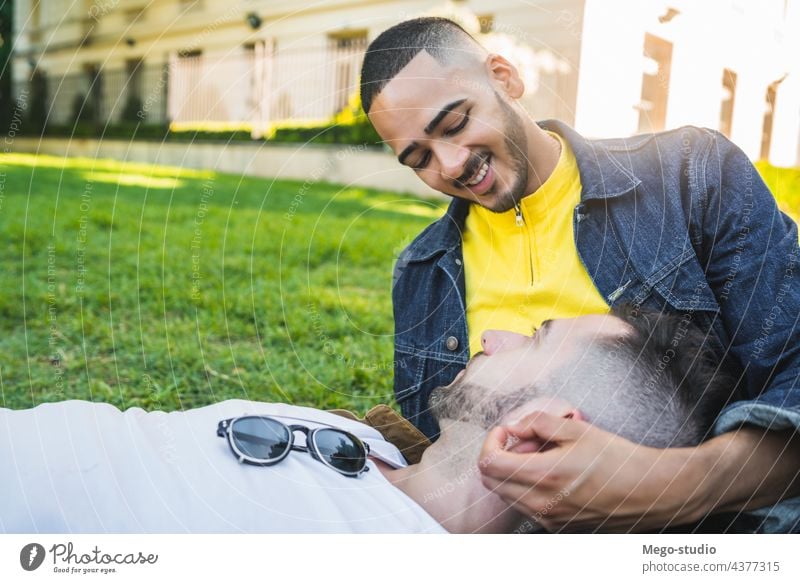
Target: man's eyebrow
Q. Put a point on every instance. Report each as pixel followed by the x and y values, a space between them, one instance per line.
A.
pixel 441 115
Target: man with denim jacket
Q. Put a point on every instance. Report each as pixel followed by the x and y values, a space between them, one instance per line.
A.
pixel 676 221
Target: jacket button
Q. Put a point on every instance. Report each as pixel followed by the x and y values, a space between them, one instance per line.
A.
pixel 458 262
pixel 451 343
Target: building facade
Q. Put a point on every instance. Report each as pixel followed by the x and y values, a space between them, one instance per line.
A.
pixel 608 67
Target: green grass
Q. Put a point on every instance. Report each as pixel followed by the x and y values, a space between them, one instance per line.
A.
pixel 785 185
pixel 158 287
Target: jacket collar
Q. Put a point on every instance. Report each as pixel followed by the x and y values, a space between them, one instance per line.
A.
pixel 441 236
pixel 602 177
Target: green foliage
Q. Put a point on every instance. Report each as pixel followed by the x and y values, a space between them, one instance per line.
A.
pixel 785 185
pixel 355 133
pixel 348 126
pixel 6 44
pixel 169 288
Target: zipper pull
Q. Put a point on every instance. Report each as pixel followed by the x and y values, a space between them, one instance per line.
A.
pixel 519 220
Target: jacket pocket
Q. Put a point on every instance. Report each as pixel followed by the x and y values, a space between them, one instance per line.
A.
pixel 683 285
pixel 408 374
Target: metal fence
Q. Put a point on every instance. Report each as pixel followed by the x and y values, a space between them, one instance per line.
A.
pixel 105 96
pixel 263 85
pixel 257 85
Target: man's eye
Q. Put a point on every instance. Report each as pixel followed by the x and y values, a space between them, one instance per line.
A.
pixel 423 162
pixel 453 131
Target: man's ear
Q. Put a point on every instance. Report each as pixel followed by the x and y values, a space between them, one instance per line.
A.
pixel 504 75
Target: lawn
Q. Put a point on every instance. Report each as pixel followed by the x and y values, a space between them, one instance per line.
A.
pixel 785 185
pixel 168 288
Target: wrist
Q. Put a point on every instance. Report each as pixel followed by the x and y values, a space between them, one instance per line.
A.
pixel 694 482
pixel 717 464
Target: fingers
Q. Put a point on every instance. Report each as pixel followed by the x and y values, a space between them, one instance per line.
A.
pixel 516 452
pixel 546 427
pixel 526 446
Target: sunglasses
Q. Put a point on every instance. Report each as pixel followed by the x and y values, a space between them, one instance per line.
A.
pixel 265 441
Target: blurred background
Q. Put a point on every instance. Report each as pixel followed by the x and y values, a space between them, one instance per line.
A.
pixel 196 207
pixel 608 68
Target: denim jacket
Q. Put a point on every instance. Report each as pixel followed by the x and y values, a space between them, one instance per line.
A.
pixel 678 220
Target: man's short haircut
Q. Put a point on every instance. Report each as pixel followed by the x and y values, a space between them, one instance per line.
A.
pixel 394 48
pixel 659 384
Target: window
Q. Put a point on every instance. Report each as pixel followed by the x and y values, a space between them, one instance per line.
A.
pixel 655 84
pixel 728 97
pixel 486 22
pixel 346 51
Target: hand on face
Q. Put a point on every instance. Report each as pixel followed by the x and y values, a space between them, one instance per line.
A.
pixel 588 478
pixel 520 442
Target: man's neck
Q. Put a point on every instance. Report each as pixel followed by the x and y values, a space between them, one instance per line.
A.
pixel 447 484
pixel 544 152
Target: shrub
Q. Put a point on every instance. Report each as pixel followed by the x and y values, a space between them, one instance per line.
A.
pixel 348 126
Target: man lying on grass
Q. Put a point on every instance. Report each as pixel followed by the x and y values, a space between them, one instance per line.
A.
pixel 88 467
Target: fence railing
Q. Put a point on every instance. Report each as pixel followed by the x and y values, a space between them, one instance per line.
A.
pixel 108 96
pixel 262 85
pixel 256 86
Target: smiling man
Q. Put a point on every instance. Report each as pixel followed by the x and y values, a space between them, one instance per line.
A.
pixel 547 224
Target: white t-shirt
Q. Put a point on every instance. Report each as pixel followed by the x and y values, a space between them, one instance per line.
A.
pixel 82 467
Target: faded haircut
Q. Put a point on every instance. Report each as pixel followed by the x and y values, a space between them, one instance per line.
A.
pixel 395 47
pixel 659 384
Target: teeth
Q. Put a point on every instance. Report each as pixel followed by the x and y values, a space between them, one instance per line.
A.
pixel 479 176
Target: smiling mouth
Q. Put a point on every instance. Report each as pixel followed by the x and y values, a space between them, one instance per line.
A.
pixel 481 178
pixel 478 176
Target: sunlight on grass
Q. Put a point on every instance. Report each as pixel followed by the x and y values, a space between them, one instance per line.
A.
pixel 102 165
pixel 785 185
pixel 414 208
pixel 407 206
pixel 202 310
pixel 130 179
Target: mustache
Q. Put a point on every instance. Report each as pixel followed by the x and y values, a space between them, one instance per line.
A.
pixel 475 161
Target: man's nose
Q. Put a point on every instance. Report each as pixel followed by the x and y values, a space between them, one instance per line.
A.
pixel 493 341
pixel 452 159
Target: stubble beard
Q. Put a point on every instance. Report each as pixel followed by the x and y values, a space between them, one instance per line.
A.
pixel 516 143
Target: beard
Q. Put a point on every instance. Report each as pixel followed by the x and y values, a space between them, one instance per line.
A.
pixel 476 405
pixel 516 143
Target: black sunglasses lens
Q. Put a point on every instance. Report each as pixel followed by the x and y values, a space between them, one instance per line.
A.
pixel 340 450
pixel 260 438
